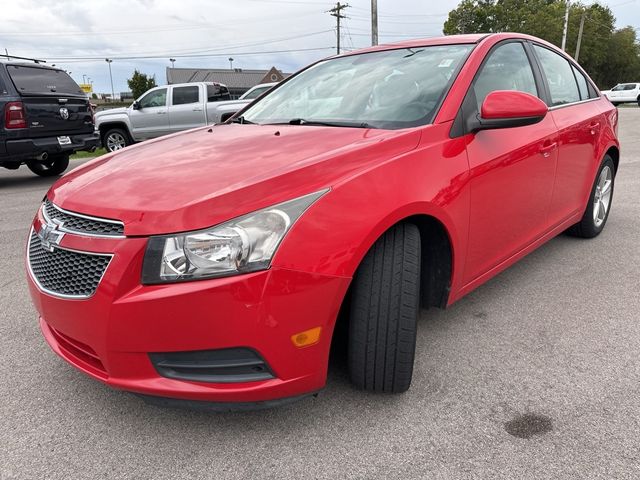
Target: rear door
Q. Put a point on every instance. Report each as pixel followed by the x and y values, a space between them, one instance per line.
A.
pixel 512 170
pixel 573 107
pixel 186 109
pixel 150 120
pixel 54 104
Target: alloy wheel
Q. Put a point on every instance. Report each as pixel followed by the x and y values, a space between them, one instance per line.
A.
pixel 602 196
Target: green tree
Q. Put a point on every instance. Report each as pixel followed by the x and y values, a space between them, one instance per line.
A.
pixel 140 83
pixel 608 55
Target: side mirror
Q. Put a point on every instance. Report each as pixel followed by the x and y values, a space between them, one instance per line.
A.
pixel 509 108
pixel 136 106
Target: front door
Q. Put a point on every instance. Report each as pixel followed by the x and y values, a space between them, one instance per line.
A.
pixel 512 170
pixel 150 120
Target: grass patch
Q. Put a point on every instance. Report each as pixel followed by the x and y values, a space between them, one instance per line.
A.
pixel 81 155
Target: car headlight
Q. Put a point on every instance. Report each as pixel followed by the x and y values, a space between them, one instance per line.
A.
pixel 244 244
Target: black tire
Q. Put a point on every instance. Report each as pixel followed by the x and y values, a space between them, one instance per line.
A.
pixel 51 167
pixel 615 104
pixel 116 137
pixel 385 304
pixel 587 227
pixel 638 100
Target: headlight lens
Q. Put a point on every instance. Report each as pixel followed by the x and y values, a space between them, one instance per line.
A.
pixel 245 244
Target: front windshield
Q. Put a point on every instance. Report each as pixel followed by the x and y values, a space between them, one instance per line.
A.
pixel 388 89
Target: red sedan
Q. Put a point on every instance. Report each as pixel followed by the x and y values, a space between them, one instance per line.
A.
pixel 211 265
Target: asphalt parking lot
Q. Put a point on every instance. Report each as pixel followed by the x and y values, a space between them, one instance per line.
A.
pixel 549 346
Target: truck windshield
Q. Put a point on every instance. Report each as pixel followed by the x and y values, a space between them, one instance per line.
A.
pixel 39 80
pixel 389 89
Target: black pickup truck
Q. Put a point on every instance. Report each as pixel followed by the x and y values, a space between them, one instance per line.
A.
pixel 45 117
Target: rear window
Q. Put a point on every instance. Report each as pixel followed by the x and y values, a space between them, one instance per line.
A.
pixel 217 93
pixel 42 80
pixel 185 95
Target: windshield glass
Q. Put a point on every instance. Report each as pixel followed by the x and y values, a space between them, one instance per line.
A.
pixel 389 89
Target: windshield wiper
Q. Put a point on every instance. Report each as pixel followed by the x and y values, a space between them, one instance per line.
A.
pixel 302 121
pixel 241 120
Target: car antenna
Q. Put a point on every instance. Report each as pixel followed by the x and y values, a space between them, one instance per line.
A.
pixel 22 58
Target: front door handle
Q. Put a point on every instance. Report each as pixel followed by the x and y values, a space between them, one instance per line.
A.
pixel 162 113
pixel 548 148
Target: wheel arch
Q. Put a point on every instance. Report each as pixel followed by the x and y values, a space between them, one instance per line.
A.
pixel 105 127
pixel 614 152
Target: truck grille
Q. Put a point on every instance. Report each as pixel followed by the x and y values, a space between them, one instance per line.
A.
pixel 82 224
pixel 65 273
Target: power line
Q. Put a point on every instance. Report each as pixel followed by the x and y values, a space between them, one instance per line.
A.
pixel 178 53
pixel 195 55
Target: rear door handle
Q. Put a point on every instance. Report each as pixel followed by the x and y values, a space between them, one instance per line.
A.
pixel 594 127
pixel 162 113
pixel 547 149
pixel 197 109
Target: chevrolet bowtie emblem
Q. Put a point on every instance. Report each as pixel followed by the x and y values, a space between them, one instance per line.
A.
pixel 50 236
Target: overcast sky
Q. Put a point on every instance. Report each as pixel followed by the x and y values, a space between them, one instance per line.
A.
pixel 205 33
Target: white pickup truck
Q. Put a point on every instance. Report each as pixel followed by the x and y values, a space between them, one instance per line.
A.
pixel 169 109
pixel 624 93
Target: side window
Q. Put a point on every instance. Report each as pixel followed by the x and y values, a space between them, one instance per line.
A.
pixel 217 93
pixel 582 83
pixel 630 86
pixel 157 98
pixel 617 88
pixel 256 93
pixel 557 70
pixel 507 68
pixel 184 95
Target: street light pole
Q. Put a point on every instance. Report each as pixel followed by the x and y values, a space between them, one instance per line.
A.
pixel 113 95
pixel 173 61
pixel 84 78
pixel 231 63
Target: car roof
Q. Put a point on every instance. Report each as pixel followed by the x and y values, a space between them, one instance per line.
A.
pixel 29 64
pixel 450 40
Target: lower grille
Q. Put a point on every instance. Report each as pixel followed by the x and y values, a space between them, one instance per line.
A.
pixel 229 365
pixel 65 273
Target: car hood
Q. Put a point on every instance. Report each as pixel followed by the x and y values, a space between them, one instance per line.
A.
pixel 200 178
pixel 111 111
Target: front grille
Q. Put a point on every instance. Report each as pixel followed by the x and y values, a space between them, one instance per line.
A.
pixel 77 223
pixel 65 272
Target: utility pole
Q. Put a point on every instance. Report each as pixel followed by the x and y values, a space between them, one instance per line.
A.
pixel 337 12
pixel 566 26
pixel 374 22
pixel 584 14
pixel 113 95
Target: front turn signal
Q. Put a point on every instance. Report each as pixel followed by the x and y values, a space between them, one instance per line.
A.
pixel 306 338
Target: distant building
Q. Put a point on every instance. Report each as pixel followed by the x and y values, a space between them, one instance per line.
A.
pixel 237 80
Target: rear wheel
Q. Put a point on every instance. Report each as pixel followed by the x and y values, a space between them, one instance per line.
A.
pixel 52 166
pixel 384 312
pixel 599 205
pixel 116 139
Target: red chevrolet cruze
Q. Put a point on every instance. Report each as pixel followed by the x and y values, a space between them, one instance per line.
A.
pixel 211 265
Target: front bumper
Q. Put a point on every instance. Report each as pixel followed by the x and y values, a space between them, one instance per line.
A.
pixel 28 148
pixel 110 335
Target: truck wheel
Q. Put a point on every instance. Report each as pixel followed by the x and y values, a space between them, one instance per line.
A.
pixel 52 166
pixel 116 139
pixel 384 312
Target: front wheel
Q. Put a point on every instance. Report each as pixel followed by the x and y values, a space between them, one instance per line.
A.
pixel 599 205
pixel 385 304
pixel 116 139
pixel 52 166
